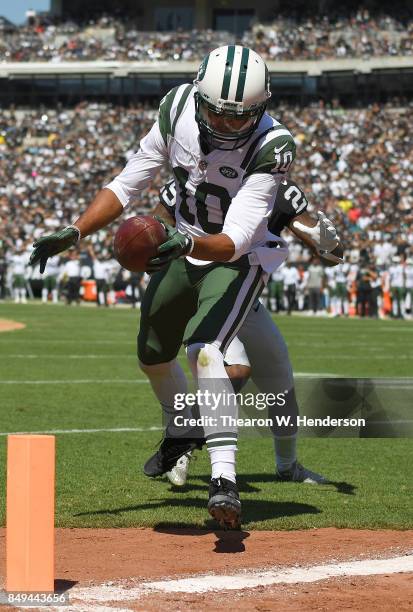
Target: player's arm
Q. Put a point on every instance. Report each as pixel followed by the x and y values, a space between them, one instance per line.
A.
pixel 247 215
pixel 248 212
pixel 110 201
pixel 320 235
pixel 201 248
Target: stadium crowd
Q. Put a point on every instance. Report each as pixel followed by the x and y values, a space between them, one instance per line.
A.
pixel 355 164
pixel 292 37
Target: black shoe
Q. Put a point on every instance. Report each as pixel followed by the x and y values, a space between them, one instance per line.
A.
pixel 224 504
pixel 168 454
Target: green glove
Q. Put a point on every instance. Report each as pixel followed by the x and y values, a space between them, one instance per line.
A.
pixel 47 246
pixel 176 245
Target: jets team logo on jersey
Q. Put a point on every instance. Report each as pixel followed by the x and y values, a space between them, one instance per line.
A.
pixel 228 172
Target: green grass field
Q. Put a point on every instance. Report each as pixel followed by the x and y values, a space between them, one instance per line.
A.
pixel 75 369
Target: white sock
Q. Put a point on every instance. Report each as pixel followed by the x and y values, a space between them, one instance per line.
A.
pixel 207 365
pixel 44 295
pixel 223 462
pixel 55 296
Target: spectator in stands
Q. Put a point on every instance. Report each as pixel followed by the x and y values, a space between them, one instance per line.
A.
pixel 52 159
pixel 290 37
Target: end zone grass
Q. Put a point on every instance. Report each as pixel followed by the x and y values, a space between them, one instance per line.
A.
pixel 99 474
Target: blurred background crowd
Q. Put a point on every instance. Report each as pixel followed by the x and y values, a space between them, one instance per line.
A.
pixel 291 36
pixel 354 164
pixel 353 161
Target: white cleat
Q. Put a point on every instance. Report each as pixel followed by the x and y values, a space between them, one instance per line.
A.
pixel 298 473
pixel 179 473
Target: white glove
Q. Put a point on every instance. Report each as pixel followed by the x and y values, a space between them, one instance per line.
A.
pixel 328 238
pixel 324 235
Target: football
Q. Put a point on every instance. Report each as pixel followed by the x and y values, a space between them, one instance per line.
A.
pixel 136 241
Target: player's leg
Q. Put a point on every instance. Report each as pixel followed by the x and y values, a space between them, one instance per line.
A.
pixel 401 302
pixel 279 292
pixel 168 303
pixel 271 371
pixel 271 305
pixel 238 369
pixel 17 283
pixel 226 293
pixel 45 290
pixel 53 288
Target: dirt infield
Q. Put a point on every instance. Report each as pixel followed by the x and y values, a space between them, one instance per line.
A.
pixel 9 325
pixel 108 568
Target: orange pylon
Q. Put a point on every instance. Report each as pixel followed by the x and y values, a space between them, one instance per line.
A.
pixel 30 513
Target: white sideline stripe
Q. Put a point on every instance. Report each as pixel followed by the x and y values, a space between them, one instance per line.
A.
pixel 255 578
pixel 91 356
pixel 399 383
pixel 397 329
pixel 85 608
pixel 403 383
pixel 132 341
pixel 83 381
pixel 83 431
pixel 130 381
pixel 143 429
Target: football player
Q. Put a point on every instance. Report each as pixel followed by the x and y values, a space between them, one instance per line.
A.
pixel 228 157
pixel 259 342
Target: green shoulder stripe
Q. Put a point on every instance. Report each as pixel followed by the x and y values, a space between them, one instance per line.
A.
pixel 181 105
pixel 275 156
pixel 164 118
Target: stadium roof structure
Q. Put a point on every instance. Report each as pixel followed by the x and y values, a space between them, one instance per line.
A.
pixel 6 25
pixel 122 69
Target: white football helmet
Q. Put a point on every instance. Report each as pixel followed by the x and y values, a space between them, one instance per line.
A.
pixel 232 92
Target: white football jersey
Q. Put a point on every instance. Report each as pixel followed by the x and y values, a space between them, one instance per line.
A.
pixel 217 191
pixel 341 272
pixel 19 263
pixel 396 274
pixel 52 268
pixel 409 276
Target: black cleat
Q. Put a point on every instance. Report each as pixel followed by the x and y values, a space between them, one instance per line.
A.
pixel 170 450
pixel 224 504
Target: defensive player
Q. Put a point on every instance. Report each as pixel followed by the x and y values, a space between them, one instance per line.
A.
pixel 228 157
pixel 259 342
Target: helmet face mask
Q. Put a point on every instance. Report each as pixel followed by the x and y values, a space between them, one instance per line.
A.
pixel 226 129
pixel 232 93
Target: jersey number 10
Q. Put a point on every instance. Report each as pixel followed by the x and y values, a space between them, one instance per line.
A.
pixel 201 200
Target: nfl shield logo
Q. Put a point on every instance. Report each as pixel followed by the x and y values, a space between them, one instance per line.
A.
pixel 203 165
